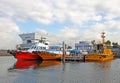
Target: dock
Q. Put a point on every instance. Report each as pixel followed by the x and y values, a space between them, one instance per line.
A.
pixel 4 53
pixel 74 57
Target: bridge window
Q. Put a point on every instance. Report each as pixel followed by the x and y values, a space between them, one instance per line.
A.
pixel 29 41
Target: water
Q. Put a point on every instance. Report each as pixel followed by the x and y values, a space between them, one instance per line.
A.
pixel 12 71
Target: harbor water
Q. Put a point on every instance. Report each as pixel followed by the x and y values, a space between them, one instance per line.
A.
pixel 13 71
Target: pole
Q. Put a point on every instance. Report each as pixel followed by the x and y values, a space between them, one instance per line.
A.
pixel 63 57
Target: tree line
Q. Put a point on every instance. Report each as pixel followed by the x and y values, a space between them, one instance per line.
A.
pixel 114 44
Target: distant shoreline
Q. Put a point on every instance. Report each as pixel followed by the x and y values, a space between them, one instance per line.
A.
pixel 4 53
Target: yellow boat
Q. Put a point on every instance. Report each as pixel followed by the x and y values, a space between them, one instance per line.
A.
pixel 106 55
pixel 102 52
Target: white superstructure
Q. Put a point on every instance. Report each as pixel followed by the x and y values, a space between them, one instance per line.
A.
pixel 38 47
pixel 29 39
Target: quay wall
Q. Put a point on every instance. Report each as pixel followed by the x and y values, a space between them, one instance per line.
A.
pixel 4 53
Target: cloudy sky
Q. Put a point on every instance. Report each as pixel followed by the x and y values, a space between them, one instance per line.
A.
pixel 62 20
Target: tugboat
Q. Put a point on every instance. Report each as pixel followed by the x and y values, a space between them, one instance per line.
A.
pixel 101 52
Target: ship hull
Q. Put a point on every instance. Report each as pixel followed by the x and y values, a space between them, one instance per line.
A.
pixel 99 58
pixel 26 56
pixel 49 56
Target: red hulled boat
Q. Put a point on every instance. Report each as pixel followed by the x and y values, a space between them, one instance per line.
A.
pixel 30 54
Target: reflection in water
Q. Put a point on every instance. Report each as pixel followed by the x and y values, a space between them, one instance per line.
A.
pixel 26 72
pixel 103 65
pixel 102 72
pixel 49 63
pixel 34 64
pixel 68 72
pixel 25 64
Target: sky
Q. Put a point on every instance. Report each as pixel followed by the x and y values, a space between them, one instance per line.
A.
pixel 59 20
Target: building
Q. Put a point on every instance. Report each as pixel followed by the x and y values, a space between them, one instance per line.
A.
pixel 28 39
pixel 83 45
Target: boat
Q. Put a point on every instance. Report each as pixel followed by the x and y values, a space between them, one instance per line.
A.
pixel 32 42
pixel 101 52
pixel 49 56
pixel 106 55
pixel 30 54
pixel 54 52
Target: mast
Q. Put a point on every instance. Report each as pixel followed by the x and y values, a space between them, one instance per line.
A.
pixel 103 38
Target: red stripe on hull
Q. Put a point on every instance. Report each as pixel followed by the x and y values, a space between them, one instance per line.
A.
pixel 26 56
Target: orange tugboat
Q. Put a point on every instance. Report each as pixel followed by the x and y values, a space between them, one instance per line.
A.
pixel 102 52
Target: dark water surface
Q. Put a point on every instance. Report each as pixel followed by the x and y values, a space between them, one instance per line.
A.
pixel 12 71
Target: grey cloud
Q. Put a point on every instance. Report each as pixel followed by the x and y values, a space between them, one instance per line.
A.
pixel 44 11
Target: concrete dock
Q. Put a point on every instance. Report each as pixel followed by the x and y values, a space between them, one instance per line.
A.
pixel 4 53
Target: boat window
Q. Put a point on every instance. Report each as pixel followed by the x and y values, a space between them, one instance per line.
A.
pixel 32 47
pixel 46 43
pixel 37 48
pixel 44 48
pixel 29 41
pixel 40 48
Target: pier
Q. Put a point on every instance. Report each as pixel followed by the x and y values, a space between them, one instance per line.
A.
pixel 74 57
pixel 4 53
